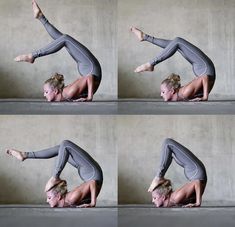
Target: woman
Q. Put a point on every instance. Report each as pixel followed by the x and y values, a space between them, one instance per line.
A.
pixel 88 66
pixel 190 194
pixel 89 170
pixel 199 88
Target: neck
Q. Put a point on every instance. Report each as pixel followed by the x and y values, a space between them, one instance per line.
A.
pixel 177 96
pixel 59 97
pixel 63 202
pixel 168 202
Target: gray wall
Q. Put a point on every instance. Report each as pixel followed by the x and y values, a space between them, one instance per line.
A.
pixel 91 22
pixel 209 24
pixel 24 182
pixel 210 138
pixel 136 140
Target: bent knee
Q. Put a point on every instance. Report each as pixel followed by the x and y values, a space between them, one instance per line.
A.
pixel 65 36
pixel 178 39
pixel 66 142
pixel 168 141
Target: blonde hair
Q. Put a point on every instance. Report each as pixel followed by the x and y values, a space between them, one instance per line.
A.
pixel 164 189
pixel 60 188
pixel 56 81
pixel 172 81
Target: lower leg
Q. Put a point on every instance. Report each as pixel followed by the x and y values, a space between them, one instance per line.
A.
pixel 63 156
pixel 166 160
pixel 43 154
pixel 141 36
pixel 167 52
pixel 156 41
pixel 52 48
pixel 52 31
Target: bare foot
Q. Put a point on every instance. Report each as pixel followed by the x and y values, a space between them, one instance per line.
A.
pixel 25 57
pixel 156 181
pixel 37 12
pixel 51 183
pixel 139 34
pixel 17 154
pixel 144 67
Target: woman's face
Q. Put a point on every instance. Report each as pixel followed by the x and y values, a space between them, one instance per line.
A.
pixel 49 92
pixel 166 93
pixel 157 199
pixel 52 199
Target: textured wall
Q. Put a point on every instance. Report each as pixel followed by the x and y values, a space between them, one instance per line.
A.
pixel 209 24
pixel 24 182
pixel 91 22
pixel 210 138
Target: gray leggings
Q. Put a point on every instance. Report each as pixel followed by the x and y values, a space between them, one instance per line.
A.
pixel 201 64
pixel 193 167
pixel 87 167
pixel 87 64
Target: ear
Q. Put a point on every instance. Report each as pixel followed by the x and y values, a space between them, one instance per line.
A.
pixel 56 91
pixel 59 196
pixel 163 197
pixel 172 91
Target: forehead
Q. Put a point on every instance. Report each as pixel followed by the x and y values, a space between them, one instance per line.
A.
pixel 50 194
pixel 47 87
pixel 155 194
pixel 164 87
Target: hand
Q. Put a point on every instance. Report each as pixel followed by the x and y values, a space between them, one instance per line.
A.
pixel 83 100
pixel 198 99
pixel 190 205
pixel 86 205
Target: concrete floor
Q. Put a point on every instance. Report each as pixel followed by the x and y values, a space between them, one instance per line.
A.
pixel 121 216
pixel 39 216
pixel 121 106
pixel 176 217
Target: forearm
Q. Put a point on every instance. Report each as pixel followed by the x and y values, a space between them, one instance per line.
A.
pixel 90 88
pixel 93 190
pixel 205 85
pixel 198 191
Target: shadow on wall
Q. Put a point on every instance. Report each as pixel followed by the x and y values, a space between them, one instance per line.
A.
pixel 130 192
pixel 11 192
pixel 12 87
pixel 138 85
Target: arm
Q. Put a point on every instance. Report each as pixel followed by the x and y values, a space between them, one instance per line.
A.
pixel 90 88
pixel 93 192
pixel 198 191
pixel 200 83
pixel 185 192
pixel 89 83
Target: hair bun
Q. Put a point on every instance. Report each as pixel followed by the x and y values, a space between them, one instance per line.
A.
pixel 58 77
pixel 172 81
pixel 174 77
pixel 56 81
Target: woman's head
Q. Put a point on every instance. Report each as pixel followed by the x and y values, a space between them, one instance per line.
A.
pixel 53 86
pixel 161 193
pixel 169 86
pixel 56 193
